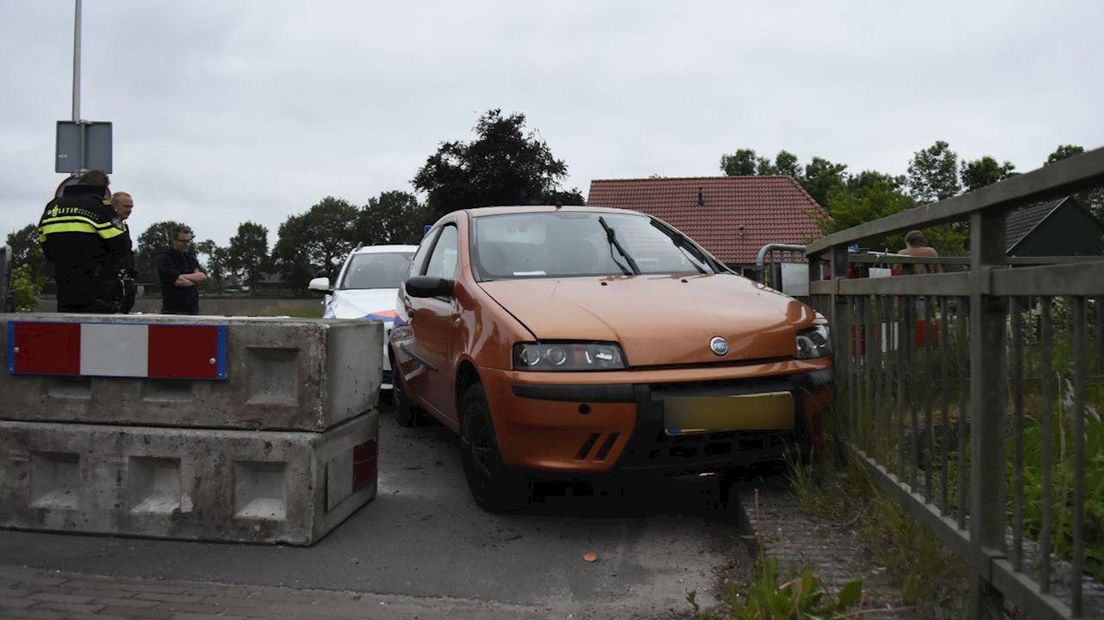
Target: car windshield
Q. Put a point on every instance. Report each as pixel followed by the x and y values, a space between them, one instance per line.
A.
pixel 376 270
pixel 574 243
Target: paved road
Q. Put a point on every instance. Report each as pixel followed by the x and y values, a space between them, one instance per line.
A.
pixel 423 538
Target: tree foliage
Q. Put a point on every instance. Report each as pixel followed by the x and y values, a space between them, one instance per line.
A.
pixel 151 242
pixel 865 202
pixel 217 259
pixel 503 165
pixel 26 251
pixel 247 255
pixel 1093 199
pixel 786 164
pixel 742 163
pixel 821 177
pixel 316 241
pixel 985 171
pixel 25 290
pixel 394 217
pixel 933 173
pixel 1063 151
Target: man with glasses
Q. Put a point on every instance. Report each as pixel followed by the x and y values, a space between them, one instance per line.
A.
pixel 179 273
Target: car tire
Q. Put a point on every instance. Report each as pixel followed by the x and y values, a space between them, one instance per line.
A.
pixel 407 414
pixel 496 487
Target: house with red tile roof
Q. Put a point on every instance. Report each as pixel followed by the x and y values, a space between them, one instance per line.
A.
pixel 731 217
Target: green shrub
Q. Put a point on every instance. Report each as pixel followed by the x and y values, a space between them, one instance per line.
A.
pixel 25 289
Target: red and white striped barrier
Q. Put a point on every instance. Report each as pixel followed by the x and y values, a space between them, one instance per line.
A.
pixel 117 350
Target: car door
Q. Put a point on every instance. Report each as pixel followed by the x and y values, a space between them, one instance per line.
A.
pixel 431 324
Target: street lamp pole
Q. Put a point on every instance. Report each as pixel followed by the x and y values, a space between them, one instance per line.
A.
pixel 76 83
pixel 76 63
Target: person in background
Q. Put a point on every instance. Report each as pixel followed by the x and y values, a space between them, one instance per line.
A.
pixel 79 237
pixel 179 273
pixel 916 245
pixel 125 271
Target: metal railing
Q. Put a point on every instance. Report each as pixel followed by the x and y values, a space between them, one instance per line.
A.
pixel 781 267
pixel 970 394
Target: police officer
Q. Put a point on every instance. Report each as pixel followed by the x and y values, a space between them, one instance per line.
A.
pixel 79 237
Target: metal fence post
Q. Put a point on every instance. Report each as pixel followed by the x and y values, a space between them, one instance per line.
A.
pixel 841 330
pixel 5 276
pixel 988 398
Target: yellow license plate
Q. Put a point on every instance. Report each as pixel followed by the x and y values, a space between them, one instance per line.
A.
pixel 772 411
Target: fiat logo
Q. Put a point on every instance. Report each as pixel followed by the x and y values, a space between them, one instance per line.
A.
pixel 718 345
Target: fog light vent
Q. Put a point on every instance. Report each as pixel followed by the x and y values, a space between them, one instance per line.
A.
pixel 604 451
pixel 585 449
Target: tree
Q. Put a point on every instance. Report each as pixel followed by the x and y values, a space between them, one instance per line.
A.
pixel 821 177
pixel 1093 199
pixel 786 164
pixel 933 173
pixel 873 178
pixel 861 203
pixel 742 163
pixel 394 217
pixel 504 165
pixel 247 254
pixel 26 251
pixel 315 241
pixel 985 171
pixel 215 265
pixel 151 242
pixel 1063 151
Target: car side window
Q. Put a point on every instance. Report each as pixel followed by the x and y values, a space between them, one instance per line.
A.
pixel 418 261
pixel 442 262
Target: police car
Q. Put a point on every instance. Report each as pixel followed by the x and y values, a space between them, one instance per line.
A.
pixel 366 288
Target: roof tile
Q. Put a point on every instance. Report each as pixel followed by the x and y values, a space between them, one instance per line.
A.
pixel 739 215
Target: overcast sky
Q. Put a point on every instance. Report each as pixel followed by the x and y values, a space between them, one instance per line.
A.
pixel 227 111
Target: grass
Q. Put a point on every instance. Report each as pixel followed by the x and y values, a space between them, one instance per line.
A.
pixel 917 563
pixel 767 597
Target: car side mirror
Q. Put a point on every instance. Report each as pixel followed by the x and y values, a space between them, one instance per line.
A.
pixel 428 286
pixel 320 284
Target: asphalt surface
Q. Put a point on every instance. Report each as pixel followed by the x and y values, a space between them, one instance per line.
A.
pixel 423 536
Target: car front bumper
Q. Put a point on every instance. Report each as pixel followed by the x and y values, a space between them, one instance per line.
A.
pixel 592 423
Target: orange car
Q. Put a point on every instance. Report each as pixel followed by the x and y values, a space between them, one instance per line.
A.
pixel 577 340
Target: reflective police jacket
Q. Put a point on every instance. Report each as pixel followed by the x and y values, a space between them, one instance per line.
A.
pixel 79 235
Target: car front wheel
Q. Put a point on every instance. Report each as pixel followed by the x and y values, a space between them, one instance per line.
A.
pixel 495 486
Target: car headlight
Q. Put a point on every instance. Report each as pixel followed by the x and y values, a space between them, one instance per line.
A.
pixel 813 342
pixel 568 356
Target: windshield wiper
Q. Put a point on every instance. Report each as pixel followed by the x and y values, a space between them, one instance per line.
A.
pixel 686 252
pixel 683 244
pixel 611 237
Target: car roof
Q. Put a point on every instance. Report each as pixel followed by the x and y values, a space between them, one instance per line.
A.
pixel 380 249
pixel 486 211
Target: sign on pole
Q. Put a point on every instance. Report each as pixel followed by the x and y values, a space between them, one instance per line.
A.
pixel 83 145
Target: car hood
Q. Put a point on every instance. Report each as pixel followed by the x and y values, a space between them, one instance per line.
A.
pixel 659 320
pixel 373 303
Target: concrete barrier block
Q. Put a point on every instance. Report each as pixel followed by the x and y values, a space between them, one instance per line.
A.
pixel 282 374
pixel 197 484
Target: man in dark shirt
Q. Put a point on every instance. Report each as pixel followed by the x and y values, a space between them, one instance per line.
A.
pixel 179 273
pixel 80 238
